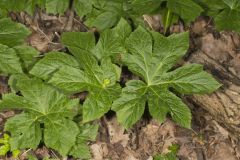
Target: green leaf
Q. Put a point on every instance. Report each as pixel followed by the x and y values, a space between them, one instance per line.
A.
pixel 105 14
pixel 190 79
pixel 145 7
pixel 5 146
pixel 99 102
pixel 157 104
pixel 141 49
pixel 131 105
pixel 60 134
pixel 12 101
pixel 81 149
pixel 111 42
pixel 83 7
pixel 56 6
pixel 24 5
pixel 167 101
pixel 212 7
pixel 9 61
pixel 4 139
pixel 168 51
pixel 225 13
pixel 13 5
pixel 12 81
pixel 15 153
pixel 52 61
pixel 88 132
pixel 25 131
pixel 151 58
pixel 11 33
pixel 172 155
pixel 42 104
pixel 4 149
pixel 70 82
pixel 93 79
pixel 188 10
pixel 233 4
pixel 228 20
pixel 105 20
pixel 27 54
pixel 31 5
pixel 97 78
pixel 79 43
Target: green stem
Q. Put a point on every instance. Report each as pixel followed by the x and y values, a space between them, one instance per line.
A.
pixel 168 21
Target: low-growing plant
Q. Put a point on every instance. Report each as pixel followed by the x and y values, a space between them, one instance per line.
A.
pixel 106 14
pixel 5 146
pixel 151 58
pixel 96 65
pixel 90 69
pixel 171 155
pixel 47 117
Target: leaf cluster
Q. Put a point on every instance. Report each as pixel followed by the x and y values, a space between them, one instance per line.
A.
pixel 47 117
pixel 90 69
pixel 104 14
pixel 48 114
pixel 94 65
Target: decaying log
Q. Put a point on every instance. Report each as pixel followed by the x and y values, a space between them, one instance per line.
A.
pixel 220 56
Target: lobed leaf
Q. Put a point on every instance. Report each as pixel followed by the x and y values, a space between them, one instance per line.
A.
pixel 152 58
pixel 112 41
pixel 60 134
pixel 52 61
pixel 42 104
pixel 25 131
pixel 131 105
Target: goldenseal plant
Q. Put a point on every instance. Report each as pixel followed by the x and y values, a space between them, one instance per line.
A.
pixel 152 59
pixel 47 117
pixel 149 55
pixel 94 65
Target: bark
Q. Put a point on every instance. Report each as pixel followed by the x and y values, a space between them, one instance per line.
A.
pixel 220 55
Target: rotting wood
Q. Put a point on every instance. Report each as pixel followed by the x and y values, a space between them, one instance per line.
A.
pixel 221 57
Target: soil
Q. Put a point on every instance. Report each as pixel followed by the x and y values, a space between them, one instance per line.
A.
pixel 207 140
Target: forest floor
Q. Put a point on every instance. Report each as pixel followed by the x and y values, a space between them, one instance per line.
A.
pixel 207 140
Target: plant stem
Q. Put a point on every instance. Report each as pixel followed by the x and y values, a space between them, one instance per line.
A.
pixel 168 21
